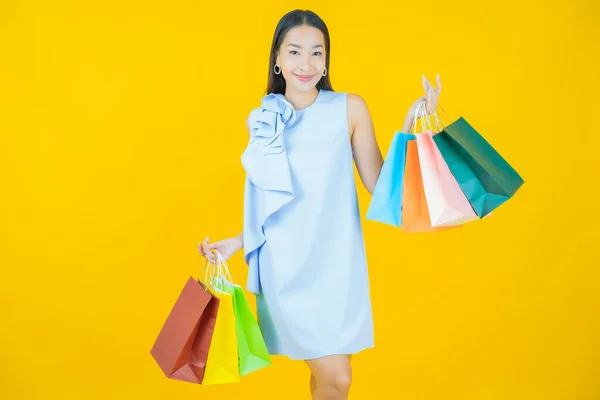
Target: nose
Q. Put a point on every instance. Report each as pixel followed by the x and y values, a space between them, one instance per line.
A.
pixel 305 63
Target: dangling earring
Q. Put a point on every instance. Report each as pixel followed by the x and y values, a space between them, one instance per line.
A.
pixel 276 72
pixel 325 73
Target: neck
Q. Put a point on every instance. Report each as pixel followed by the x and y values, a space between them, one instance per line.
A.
pixel 301 100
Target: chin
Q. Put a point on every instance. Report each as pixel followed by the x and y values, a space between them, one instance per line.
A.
pixel 308 87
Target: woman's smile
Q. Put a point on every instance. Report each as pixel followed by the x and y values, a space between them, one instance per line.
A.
pixel 304 78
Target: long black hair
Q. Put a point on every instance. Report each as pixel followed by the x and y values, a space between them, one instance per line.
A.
pixel 290 20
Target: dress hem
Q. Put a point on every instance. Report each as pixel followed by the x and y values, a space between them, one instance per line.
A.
pixel 319 354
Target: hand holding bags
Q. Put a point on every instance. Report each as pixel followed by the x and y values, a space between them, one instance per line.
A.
pixel 433 181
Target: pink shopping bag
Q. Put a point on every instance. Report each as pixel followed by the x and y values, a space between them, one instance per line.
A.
pixel 448 205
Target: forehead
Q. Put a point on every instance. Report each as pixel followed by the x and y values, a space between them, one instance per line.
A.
pixel 305 36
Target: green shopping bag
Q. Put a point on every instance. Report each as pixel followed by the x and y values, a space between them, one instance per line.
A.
pixel 485 177
pixel 252 350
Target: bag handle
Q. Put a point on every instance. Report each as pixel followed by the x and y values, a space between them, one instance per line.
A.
pixel 223 267
pixel 438 120
pixel 420 106
pixel 209 273
pixel 219 272
pixel 426 118
pixel 415 117
pixel 214 273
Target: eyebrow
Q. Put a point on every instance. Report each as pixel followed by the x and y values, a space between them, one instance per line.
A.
pixel 298 46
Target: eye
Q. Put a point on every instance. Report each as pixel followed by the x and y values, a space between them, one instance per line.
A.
pixel 317 52
pixel 293 51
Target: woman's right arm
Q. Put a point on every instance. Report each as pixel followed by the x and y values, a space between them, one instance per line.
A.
pixel 240 237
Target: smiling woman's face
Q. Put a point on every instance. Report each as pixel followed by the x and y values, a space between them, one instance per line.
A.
pixel 302 57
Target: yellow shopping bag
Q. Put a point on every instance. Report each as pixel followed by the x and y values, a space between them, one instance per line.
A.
pixel 222 364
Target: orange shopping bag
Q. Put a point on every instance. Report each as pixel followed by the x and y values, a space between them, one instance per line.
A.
pixel 415 213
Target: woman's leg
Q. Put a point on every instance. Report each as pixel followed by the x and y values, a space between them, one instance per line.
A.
pixel 313 382
pixel 330 377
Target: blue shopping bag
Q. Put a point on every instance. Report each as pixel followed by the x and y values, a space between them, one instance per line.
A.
pixel 386 203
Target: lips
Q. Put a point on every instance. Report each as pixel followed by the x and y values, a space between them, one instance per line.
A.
pixel 304 78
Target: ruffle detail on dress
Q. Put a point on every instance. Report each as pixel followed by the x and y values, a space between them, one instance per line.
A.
pixel 268 185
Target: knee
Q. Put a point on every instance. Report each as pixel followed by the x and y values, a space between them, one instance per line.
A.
pixel 338 382
pixel 341 382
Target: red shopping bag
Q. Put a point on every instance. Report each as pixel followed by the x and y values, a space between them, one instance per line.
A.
pixel 181 348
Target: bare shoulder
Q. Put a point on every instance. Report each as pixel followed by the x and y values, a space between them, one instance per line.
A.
pixel 356 104
pixel 358 112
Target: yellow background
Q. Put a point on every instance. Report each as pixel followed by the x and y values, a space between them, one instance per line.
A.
pixel 121 131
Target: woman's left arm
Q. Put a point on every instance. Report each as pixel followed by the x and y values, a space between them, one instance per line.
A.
pixel 365 149
pixel 367 155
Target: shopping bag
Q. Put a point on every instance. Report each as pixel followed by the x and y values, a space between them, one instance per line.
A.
pixel 386 202
pixel 252 349
pixel 222 365
pixel 415 214
pixel 181 348
pixel 483 174
pixel 446 202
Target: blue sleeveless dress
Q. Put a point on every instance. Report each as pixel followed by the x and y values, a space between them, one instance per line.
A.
pixel 302 233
